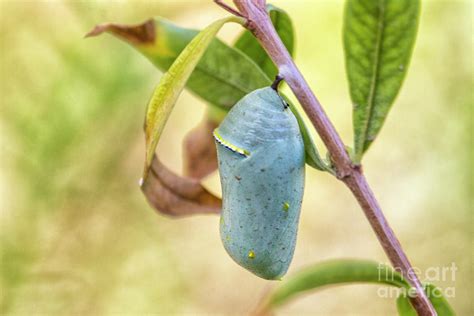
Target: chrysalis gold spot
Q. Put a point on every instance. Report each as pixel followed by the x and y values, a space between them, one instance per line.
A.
pixel 251 254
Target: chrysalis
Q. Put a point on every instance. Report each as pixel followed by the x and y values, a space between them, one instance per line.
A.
pixel 261 165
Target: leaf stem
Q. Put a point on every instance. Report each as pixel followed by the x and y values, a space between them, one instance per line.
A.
pixel 259 23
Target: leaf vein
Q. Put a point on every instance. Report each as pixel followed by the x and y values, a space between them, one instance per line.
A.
pixel 376 69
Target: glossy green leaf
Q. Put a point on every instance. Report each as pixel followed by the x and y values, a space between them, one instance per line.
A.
pixel 171 85
pixel 378 39
pixel 330 273
pixel 252 48
pixel 222 77
pixel 436 297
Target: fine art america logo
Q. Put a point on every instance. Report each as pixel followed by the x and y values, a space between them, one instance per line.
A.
pixel 433 275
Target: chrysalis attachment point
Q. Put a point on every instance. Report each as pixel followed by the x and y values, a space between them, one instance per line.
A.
pixel 276 83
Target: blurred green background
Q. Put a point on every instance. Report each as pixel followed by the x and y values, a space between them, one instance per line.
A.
pixel 77 236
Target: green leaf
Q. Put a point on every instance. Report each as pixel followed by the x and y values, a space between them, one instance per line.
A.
pixel 171 85
pixel 378 40
pixel 436 297
pixel 349 271
pixel 313 157
pixel 248 44
pixel 222 77
pixel 330 273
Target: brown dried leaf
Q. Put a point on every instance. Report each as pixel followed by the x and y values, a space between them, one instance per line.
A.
pixel 135 34
pixel 173 195
pixel 199 150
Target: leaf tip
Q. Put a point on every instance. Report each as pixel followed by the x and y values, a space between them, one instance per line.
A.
pixel 143 33
pixel 97 30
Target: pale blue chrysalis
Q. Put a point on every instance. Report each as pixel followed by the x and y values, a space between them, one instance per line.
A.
pixel 261 164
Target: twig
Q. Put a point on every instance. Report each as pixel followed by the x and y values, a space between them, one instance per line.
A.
pixel 259 23
pixel 228 8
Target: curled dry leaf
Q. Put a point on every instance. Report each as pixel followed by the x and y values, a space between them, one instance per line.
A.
pixel 135 34
pixel 173 195
pixel 199 150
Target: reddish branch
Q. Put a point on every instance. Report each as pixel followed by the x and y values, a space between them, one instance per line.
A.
pixel 259 23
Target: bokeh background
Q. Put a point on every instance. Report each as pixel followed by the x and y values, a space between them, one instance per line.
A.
pixel 77 236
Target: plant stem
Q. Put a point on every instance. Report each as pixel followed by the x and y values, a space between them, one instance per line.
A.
pixel 259 23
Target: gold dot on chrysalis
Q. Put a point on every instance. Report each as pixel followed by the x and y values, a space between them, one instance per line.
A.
pixel 251 254
pixel 286 206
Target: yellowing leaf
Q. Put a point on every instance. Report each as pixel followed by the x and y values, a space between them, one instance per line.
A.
pixel 171 85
